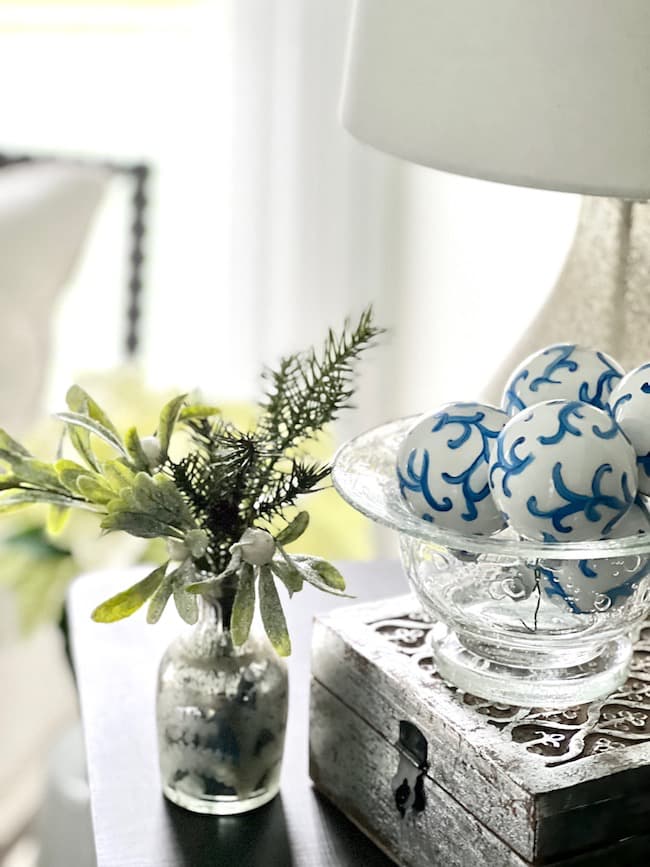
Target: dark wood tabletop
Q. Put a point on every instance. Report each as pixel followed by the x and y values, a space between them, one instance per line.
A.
pixel 134 825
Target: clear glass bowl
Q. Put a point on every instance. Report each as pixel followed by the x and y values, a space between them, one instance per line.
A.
pixel 517 621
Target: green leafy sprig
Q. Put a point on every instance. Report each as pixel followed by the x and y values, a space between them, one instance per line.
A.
pixel 215 506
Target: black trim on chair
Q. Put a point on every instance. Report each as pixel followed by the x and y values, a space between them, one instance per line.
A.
pixel 140 175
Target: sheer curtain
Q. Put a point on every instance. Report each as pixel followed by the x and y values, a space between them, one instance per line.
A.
pixel 321 225
pixel 316 218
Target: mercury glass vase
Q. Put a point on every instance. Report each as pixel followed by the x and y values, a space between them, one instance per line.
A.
pixel 523 623
pixel 221 714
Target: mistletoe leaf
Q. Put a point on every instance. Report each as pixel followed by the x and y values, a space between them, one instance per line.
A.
pixel 207 585
pixel 160 598
pixel 93 489
pixel 151 507
pixel 159 496
pixel 80 401
pixel 68 473
pixel 7 444
pixel 31 471
pixel 29 496
pixel 57 517
pixel 244 605
pixel 128 601
pixel 168 416
pixel 329 573
pixel 80 440
pixel 272 613
pixel 138 524
pixel 118 475
pixel 74 420
pixel 136 452
pixel 288 574
pixel 187 604
pixel 294 530
pixel 198 410
pixel 321 574
pixel 8 481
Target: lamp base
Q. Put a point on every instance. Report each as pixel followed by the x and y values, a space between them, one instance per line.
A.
pixel 601 298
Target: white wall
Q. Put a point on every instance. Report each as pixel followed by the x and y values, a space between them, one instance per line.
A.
pixel 321 223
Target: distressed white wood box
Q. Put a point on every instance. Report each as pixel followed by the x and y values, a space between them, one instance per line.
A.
pixel 499 786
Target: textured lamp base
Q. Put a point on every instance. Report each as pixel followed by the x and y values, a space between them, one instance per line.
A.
pixel 601 298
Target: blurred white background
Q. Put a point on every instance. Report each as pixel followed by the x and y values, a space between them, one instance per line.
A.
pixel 267 221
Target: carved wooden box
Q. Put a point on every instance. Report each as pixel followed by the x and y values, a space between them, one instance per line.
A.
pixel 439 777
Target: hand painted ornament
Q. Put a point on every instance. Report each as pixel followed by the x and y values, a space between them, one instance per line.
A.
pixel 563 371
pixel 629 403
pixel 442 467
pixel 585 586
pixel 563 471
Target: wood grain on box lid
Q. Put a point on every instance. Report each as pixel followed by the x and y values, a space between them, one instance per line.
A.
pixel 519 770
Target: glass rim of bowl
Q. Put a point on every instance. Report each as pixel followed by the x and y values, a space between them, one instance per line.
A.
pixel 363 473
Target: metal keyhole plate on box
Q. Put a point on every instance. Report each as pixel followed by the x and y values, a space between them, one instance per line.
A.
pixel 408 782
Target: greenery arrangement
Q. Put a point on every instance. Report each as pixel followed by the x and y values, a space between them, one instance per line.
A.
pixel 218 504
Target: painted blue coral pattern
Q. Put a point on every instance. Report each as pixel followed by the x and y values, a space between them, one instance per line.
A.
pixel 562 363
pixel 553 585
pixel 591 505
pixel 469 485
pixel 601 499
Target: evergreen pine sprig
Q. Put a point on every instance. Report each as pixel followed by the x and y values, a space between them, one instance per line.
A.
pixel 308 391
pixel 216 505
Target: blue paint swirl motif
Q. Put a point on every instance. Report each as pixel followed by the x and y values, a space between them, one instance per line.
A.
pixel 553 587
pixel 589 505
pixel 587 571
pixel 623 590
pixel 418 482
pixel 563 361
pixel 610 434
pixel 619 403
pixel 573 408
pixel 604 386
pixel 510 464
pixel 628 587
pixel 512 403
pixel 464 479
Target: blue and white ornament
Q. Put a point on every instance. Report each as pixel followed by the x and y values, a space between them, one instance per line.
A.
pixel 629 403
pixel 563 471
pixel 442 467
pixel 585 586
pixel 563 371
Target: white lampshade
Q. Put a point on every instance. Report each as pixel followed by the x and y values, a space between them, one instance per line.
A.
pixel 543 93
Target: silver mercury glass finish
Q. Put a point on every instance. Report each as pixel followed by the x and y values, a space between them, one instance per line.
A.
pixel 221 714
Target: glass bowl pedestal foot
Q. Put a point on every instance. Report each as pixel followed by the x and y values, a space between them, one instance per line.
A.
pixel 477 667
